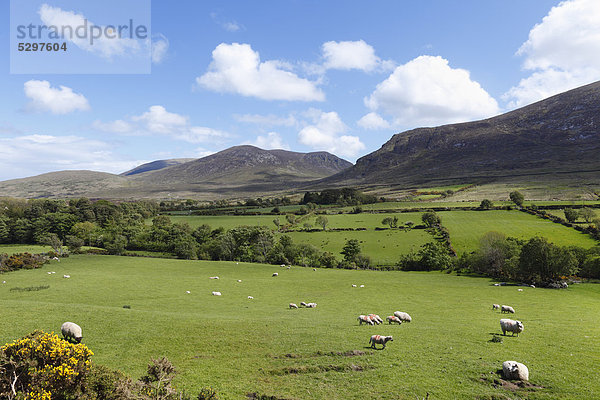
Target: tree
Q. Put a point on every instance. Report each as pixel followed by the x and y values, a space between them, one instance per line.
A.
pixel 587 214
pixel 4 230
pixel 391 221
pixel 307 226
pixel 430 219
pixel 408 225
pixel 571 215
pixel 276 222
pixel 322 221
pixel 74 243
pixel 291 219
pixel 351 250
pixel 517 198
pixel 53 241
pixel 486 204
pixel 541 261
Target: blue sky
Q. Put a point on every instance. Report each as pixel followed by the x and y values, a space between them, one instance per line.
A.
pixel 340 76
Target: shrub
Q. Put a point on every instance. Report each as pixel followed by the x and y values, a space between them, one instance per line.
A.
pixel 21 261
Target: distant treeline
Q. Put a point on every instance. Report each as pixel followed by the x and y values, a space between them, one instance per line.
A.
pixel 342 197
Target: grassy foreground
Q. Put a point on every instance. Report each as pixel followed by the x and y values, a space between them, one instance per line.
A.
pixel 239 345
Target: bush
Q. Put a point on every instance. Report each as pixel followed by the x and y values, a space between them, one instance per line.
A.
pixel 21 261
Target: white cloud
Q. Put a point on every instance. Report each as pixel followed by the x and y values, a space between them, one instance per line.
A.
pixel 68 21
pixel 271 140
pixel 236 68
pixel 157 120
pixel 373 121
pixel 323 133
pixel 563 52
pixel 57 101
pixel 35 154
pixel 266 120
pixel 231 26
pixel 352 55
pixel 427 91
pixel 160 47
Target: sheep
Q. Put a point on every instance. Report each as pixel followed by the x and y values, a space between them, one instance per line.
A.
pixel 378 339
pixel 366 319
pixel 3 282
pixel 495 306
pixel 507 309
pixel 362 285
pixel 303 304
pixel 496 284
pixel 216 293
pixel 404 317
pixel 376 318
pixel 293 305
pixel 532 286
pixel 214 277
pixel 66 276
pixel 510 325
pixel 282 265
pixel 353 285
pixel 393 318
pixel 250 297
pixel 288 267
pixel 49 273
pixel 314 269
pixel 188 292
pixel 311 305
pixel 513 370
pixel 275 274
pixel 71 331
pixel 239 281
pixel 519 290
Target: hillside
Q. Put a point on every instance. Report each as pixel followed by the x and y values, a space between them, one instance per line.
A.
pixel 556 139
pixel 156 165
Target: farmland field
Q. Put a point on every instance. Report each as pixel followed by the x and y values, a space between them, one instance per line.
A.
pixel 239 346
pixel 467 227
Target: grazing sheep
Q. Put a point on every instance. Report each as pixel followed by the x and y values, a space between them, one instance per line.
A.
pixel 282 265
pixel 293 305
pixel 275 274
pixel 507 309
pixel 353 285
pixel 303 304
pixel 495 306
pixel 216 293
pixel 366 319
pixel 532 286
pixel 404 317
pixel 378 339
pixel 311 305
pixel 314 269
pixel 288 267
pixel 250 297
pixel 496 284
pixel 49 273
pixel 513 370
pixel 188 292
pixel 71 331
pixel 3 281
pixel 66 276
pixel 510 325
pixel 214 277
pixel 362 285
pixel 376 318
pixel 519 290
pixel 393 318
pixel 239 280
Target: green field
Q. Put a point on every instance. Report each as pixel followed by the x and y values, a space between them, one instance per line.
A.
pixel 21 248
pixel 467 227
pixel 239 346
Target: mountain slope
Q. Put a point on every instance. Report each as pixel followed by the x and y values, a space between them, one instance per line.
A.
pixel 156 165
pixel 558 137
pixel 247 166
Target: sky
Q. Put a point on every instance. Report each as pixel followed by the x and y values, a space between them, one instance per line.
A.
pixel 300 75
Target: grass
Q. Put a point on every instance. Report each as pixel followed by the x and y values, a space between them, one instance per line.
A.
pixel 467 227
pixel 239 346
pixel 23 248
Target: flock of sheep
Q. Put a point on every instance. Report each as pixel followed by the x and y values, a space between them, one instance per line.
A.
pixel 508 325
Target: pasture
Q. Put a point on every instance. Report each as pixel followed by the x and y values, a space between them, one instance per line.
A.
pixel 240 346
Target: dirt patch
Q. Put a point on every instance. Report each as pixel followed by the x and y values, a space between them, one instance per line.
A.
pixel 495 380
pixel 309 369
pixel 256 396
pixel 348 353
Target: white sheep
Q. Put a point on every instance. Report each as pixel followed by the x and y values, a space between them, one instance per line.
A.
pixel 314 269
pixel 311 305
pixel 404 317
pixel 393 318
pixel 188 292
pixel 378 339
pixel 362 285
pixel 71 331
pixel 239 281
pixel 376 318
pixel 519 290
pixel 507 309
pixel 366 319
pixel 513 370
pixel 250 297
pixel 293 305
pixel 353 285
pixel 3 282
pixel 288 267
pixel 66 276
pixel 275 274
pixel 216 293
pixel 495 306
pixel 510 325
pixel 532 286
pixel 214 277
pixel 282 265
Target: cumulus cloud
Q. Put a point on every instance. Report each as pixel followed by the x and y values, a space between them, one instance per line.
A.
pixel 373 121
pixel 562 52
pixel 324 133
pixel 35 154
pixel 348 55
pixel 271 140
pixel 157 120
pixel 60 100
pixel 427 91
pixel 236 68
pixel 266 120
pixel 105 46
pixel 160 47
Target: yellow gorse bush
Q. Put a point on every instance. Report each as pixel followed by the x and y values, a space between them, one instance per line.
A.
pixel 46 364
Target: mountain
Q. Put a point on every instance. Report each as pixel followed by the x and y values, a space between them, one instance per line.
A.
pixel 554 139
pixel 238 172
pixel 155 165
pixel 248 167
